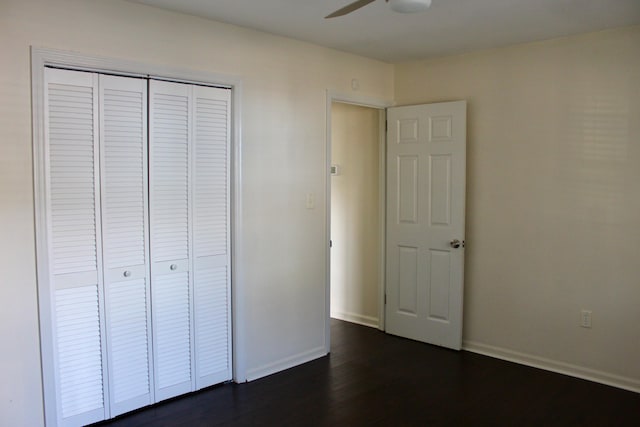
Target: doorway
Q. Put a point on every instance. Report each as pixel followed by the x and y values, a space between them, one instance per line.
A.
pixel 357 213
pixel 438 129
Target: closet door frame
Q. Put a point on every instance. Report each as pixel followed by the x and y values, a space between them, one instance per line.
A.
pixel 44 57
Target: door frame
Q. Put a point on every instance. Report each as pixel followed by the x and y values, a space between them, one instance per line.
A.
pixel 45 57
pixel 381 106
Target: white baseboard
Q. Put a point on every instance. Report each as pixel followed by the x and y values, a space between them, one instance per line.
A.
pixel 285 363
pixel 356 318
pixel 618 381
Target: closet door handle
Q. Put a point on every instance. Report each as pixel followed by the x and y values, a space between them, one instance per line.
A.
pixel 173 267
pixel 126 273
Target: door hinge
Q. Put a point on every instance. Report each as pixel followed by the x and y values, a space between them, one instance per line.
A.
pixel 386 126
pixel 330 243
pixel 385 299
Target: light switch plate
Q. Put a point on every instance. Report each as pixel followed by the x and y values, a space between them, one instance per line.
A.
pixel 311 201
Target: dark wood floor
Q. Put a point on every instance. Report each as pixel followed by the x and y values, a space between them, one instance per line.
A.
pixel 374 379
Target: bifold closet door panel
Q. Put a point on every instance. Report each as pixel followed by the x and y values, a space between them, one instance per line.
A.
pixel 211 235
pixel 170 118
pixel 190 235
pixel 123 159
pixel 73 337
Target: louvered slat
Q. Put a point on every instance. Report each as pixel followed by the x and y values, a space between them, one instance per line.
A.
pixel 211 317
pixel 79 350
pixel 71 178
pixel 170 218
pixel 127 329
pixel 124 181
pixel 172 329
pixel 211 187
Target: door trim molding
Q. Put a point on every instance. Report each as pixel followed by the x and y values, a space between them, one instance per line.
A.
pixel 45 57
pixel 381 105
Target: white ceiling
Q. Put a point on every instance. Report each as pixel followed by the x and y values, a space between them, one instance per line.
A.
pixel 448 27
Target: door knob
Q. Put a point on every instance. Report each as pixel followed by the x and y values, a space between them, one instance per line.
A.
pixel 455 243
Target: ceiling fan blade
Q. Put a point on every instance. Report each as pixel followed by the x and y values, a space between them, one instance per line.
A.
pixel 350 8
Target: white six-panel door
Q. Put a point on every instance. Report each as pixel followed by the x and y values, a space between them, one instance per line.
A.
pixel 426 152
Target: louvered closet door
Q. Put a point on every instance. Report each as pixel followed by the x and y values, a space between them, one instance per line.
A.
pixel 137 260
pixel 123 142
pixel 211 236
pixel 170 223
pixel 190 238
pixel 74 254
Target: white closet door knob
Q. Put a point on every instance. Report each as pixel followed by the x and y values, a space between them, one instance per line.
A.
pixel 173 267
pixel 127 273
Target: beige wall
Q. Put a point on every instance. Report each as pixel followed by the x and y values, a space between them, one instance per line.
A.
pixel 553 202
pixel 553 196
pixel 284 134
pixel 355 216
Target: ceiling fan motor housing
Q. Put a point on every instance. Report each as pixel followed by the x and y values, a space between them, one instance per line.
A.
pixel 409 6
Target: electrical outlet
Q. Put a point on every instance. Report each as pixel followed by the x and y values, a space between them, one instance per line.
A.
pixel 585 318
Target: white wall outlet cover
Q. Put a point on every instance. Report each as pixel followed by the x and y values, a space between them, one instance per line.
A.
pixel 585 318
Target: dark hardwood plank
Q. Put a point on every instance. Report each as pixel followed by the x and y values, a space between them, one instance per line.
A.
pixel 374 379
